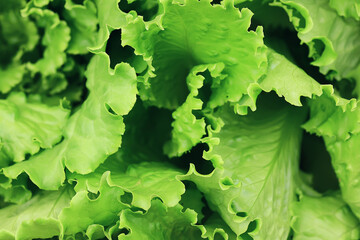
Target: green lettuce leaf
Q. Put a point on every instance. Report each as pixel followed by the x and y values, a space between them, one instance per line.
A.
pixel 324 218
pixel 104 208
pixel 55 40
pixel 28 126
pixel 292 85
pixel 37 218
pixel 17 35
pixel 187 128
pixel 98 122
pixel 82 21
pixel 160 222
pixel 327 113
pixel 332 40
pixel 350 8
pixel 256 159
pixel 144 181
pixel 172 44
pixel 110 17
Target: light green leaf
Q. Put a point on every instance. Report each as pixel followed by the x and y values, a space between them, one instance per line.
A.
pixel 173 44
pixel 349 8
pixel 45 169
pixel 260 152
pixel 187 128
pixel 99 122
pixel 10 76
pixel 93 132
pixel 27 127
pixel 327 113
pixel 288 80
pixel 37 218
pixel 324 218
pixel 144 181
pixel 55 40
pixel 83 211
pixel 110 17
pixel 82 21
pixel 160 223
pixel 330 111
pixel 332 40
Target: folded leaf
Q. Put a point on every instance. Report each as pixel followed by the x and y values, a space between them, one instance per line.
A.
pixel 187 128
pixel 327 113
pixel 288 80
pixel 260 152
pixel 332 40
pixel 84 211
pixel 173 44
pixel 160 223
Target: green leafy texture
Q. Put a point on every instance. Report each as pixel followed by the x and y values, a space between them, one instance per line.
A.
pixel 56 39
pixel 144 181
pixel 332 40
pixel 192 199
pixel 214 227
pixel 349 8
pixel 27 127
pixel 327 113
pixel 148 9
pixel 260 152
pixel 17 35
pixel 92 133
pixel 160 223
pixel 110 17
pixel 45 169
pixel 16 192
pixel 187 129
pixel 330 111
pixel 37 218
pixel 10 77
pixel 324 218
pixel 173 44
pixel 82 21
pixel 104 209
pixel 99 122
pixel 288 80
pixel 97 231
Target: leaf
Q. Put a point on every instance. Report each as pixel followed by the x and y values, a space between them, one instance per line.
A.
pixel 110 17
pixel 325 217
pixel 27 127
pixel 187 128
pixel 332 40
pixel 144 181
pixel 97 123
pixel 288 80
pixel 82 21
pixel 55 40
pixel 349 8
pixel 173 44
pixel 327 113
pixel 260 152
pixel 104 208
pixel 37 218
pixel 159 223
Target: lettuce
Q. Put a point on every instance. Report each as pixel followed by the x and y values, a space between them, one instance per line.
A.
pixel 179 119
